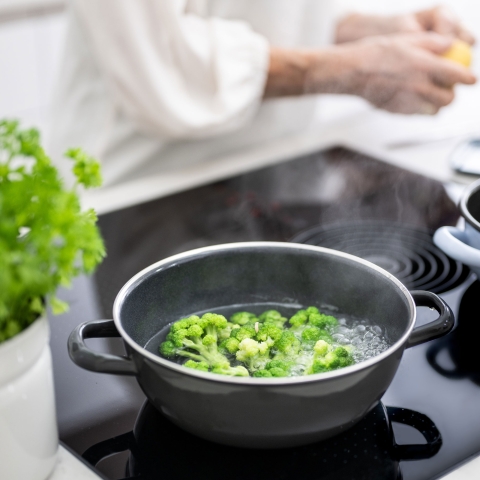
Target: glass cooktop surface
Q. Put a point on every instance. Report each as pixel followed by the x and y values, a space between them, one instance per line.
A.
pixel 429 419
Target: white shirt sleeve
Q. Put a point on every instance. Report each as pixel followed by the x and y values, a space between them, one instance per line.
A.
pixel 175 73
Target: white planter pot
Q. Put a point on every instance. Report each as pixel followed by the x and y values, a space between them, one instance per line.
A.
pixel 28 427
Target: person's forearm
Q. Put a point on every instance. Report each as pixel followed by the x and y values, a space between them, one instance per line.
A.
pixel 299 72
pixel 356 26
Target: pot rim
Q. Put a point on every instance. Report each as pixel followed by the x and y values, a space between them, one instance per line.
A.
pixel 471 189
pixel 146 272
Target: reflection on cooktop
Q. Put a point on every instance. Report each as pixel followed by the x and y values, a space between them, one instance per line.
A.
pixel 462 344
pixel 367 451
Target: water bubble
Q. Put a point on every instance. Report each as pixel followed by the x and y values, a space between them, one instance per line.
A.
pixel 377 330
pixel 343 331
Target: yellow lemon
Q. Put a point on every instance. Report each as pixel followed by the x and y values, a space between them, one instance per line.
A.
pixel 459 52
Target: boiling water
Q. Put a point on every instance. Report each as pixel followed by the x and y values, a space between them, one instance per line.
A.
pixel 367 340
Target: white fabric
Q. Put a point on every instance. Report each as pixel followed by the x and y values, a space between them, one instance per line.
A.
pixel 150 85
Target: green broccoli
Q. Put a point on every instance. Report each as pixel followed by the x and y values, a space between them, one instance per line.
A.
pixel 266 345
pixel 229 345
pixel 287 346
pixel 272 317
pixel 312 334
pixel 242 318
pixel 197 339
pixel 274 368
pixel 255 355
pixel 327 358
pixel 279 368
pixel 322 321
pixel 299 319
pixel 227 331
pixel 247 331
pixel 203 366
pixel 266 331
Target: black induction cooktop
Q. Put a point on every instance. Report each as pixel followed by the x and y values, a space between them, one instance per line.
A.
pixel 429 419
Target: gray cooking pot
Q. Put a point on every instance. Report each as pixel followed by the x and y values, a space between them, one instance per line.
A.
pixel 256 412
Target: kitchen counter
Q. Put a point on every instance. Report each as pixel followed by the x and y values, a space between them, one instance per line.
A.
pixel 468 471
pixel 69 467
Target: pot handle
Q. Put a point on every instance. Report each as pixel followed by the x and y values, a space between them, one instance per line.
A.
pixel 424 425
pixel 454 243
pixel 439 327
pixel 98 362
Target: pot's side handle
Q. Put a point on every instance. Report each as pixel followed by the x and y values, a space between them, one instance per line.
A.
pixel 97 362
pixel 454 243
pixel 439 327
pixel 424 425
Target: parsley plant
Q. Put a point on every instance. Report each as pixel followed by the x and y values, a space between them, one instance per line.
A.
pixel 45 238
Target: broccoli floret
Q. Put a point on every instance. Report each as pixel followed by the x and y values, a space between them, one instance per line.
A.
pixel 299 319
pixel 311 334
pixel 344 356
pixel 287 346
pixel 227 331
pixel 272 372
pixel 255 355
pixel 312 317
pixel 312 310
pixel 168 349
pixel 244 332
pixel 322 321
pixel 197 339
pixel 268 331
pixel 326 358
pixel 227 369
pixel 278 364
pixel 278 368
pixel 272 317
pixel 229 345
pixel 203 366
pixel 184 323
pixel 242 318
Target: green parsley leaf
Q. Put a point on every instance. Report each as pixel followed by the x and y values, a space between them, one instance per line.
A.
pixel 45 238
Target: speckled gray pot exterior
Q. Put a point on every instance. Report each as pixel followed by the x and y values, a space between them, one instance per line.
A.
pixel 258 412
pixel 266 416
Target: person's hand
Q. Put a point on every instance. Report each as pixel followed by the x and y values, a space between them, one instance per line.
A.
pixel 438 19
pixel 398 73
pixel 442 20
